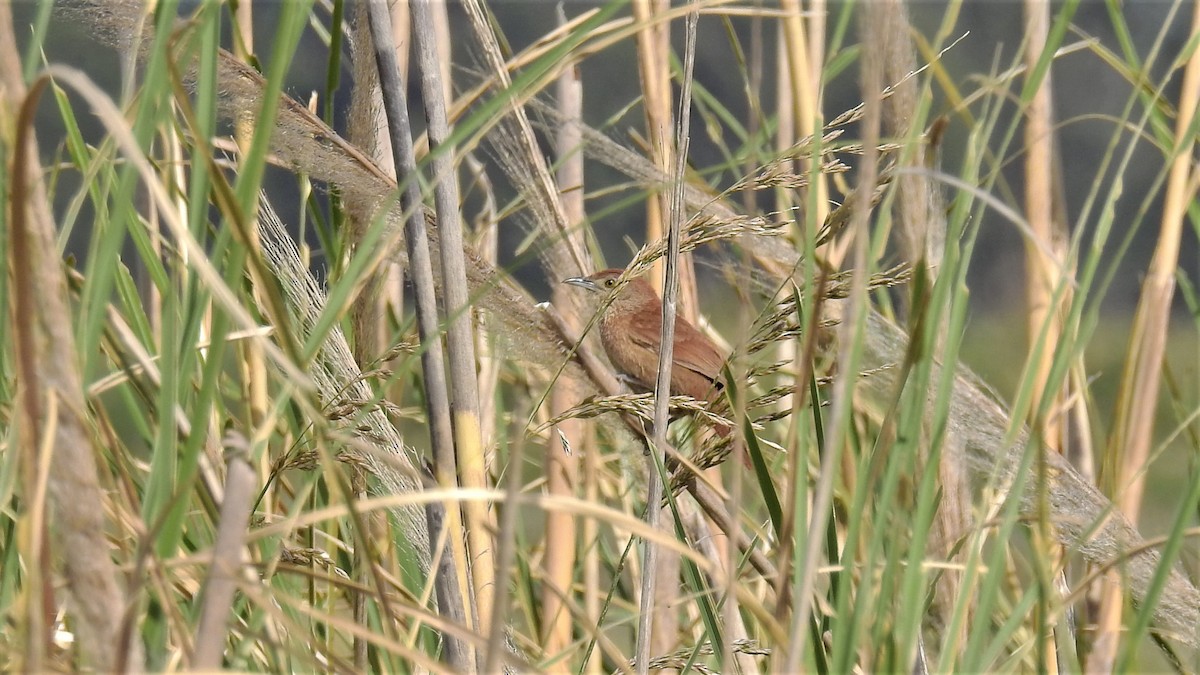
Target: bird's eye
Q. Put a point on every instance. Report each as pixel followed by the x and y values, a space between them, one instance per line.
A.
pixel 609 283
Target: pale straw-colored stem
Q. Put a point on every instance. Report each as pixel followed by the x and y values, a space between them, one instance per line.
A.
pixel 1138 396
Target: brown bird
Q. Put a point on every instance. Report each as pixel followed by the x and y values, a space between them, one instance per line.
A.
pixel 631 332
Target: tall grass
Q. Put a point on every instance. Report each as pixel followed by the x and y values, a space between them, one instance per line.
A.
pixel 222 448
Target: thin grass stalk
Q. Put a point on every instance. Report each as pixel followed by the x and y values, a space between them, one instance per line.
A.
pixel 382 300
pixel 802 356
pixel 1138 399
pixel 383 295
pixel 662 386
pixel 730 553
pixel 171 173
pixel 254 366
pixel 920 226
pixel 756 108
pixel 800 64
pixel 653 51
pixel 561 464
pixel 785 137
pixel 458 653
pixel 1047 235
pixel 592 593
pixel 785 109
pixel 53 412
pixel 487 247
pixel 1044 306
pixel 255 380
pixel 496 647
pixel 472 470
pixel 700 532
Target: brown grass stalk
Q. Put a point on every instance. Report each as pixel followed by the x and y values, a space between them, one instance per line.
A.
pixel 383 292
pixel 252 361
pixel 803 71
pixel 921 226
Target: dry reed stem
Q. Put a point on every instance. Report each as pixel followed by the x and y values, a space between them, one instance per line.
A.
pixel 653 52
pixel 921 226
pixel 420 272
pixel 1045 260
pixel 252 361
pixel 653 39
pixel 227 557
pixel 1046 313
pixel 367 129
pixel 650 597
pixel 561 466
pixel 804 62
pixel 1133 430
pixel 383 294
pixel 464 403
pixel 703 538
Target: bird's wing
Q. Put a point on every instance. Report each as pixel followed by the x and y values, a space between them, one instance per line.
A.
pixel 699 354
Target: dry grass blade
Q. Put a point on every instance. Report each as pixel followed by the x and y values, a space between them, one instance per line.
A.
pixel 54 413
pixel 650 600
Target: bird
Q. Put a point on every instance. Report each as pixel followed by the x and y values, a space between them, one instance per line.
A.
pixel 631 333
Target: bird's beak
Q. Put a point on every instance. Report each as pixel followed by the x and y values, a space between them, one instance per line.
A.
pixel 582 282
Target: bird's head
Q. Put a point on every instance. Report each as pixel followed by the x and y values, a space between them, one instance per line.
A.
pixel 632 295
pixel 600 282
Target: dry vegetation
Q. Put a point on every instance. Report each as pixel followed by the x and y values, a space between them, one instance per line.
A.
pixel 221 447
